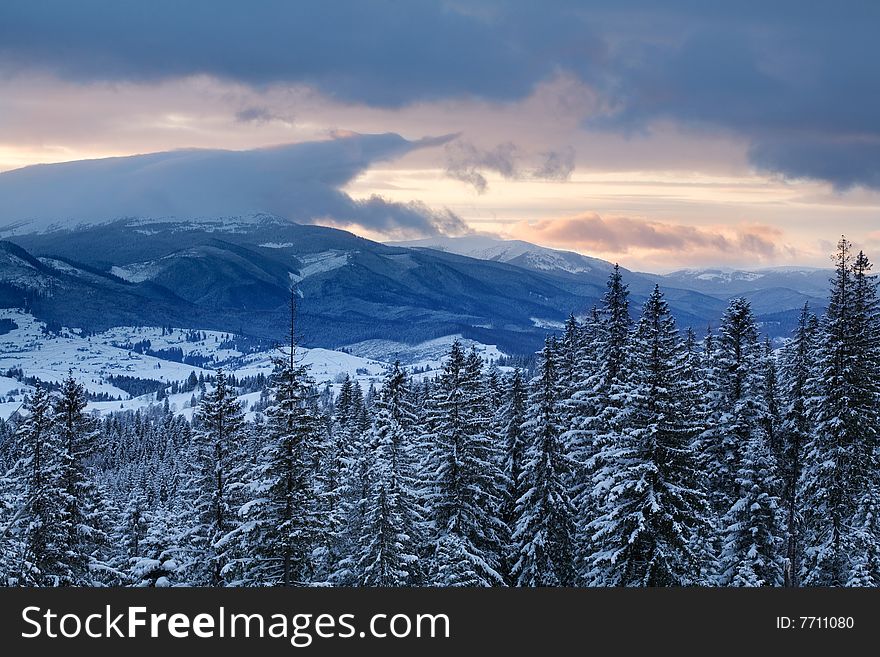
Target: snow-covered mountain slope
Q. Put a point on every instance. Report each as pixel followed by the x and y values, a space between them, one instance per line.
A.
pixel 809 281
pixel 236 278
pixel 352 289
pixel 428 354
pixel 518 252
pixel 29 351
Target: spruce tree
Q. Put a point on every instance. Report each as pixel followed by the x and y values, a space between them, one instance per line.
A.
pixel 283 520
pixel 216 445
pixel 545 526
pixel 465 480
pixel 840 467
pixel 796 362
pixel 595 401
pixel 42 524
pixel 652 522
pixel 752 534
pixel 513 417
pixel 85 508
pixel 392 531
pixel 736 405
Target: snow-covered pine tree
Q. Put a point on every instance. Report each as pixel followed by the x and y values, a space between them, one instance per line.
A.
pixel 158 560
pixel 355 451
pixel 752 531
pixel 283 519
pixel 865 565
pixel 737 403
pixel 771 398
pixel 652 525
pixel 513 416
pixel 392 531
pixel 597 399
pixel 131 531
pixel 465 479
pixel 334 454
pixel 617 328
pixel 839 466
pixel 84 505
pixel 794 433
pixel 545 527
pixel 216 443
pixel 570 352
pixel 41 524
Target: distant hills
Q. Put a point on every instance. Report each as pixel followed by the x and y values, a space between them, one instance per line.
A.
pixel 233 274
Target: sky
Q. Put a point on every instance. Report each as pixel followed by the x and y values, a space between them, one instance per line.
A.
pixel 657 135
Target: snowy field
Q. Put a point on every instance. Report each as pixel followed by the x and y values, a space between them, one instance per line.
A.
pixel 93 359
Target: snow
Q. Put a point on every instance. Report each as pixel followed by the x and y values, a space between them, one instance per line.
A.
pixel 59 265
pixel 547 260
pixel 430 353
pixel 546 323
pixel 137 272
pixel 484 247
pixel 93 359
pixel 317 263
pixel 727 276
pixel 276 245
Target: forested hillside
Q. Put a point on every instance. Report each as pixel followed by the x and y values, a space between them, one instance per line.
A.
pixel 633 455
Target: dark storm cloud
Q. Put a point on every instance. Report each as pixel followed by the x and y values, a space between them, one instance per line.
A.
pixel 380 52
pixel 796 80
pixel 300 182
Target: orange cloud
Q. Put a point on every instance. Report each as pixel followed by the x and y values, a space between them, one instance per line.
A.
pixel 657 241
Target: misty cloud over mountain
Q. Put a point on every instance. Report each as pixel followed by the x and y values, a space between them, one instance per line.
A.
pixel 301 182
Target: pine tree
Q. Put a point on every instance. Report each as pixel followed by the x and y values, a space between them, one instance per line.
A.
pixel 796 361
pixel 465 496
pixel 392 530
pixel 545 527
pixel 652 524
pixel 595 400
pixel 865 564
pixel 355 452
pixel 216 443
pixel 771 398
pixel 513 417
pixel 284 519
pixel 737 403
pixel 840 470
pixel 617 328
pixel 42 525
pixel 752 538
pixel 85 509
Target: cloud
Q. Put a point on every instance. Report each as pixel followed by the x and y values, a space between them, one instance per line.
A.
pixel 259 114
pixel 378 52
pixel 557 165
pixel 301 182
pixel 795 81
pixel 624 235
pixel 844 162
pixel 467 163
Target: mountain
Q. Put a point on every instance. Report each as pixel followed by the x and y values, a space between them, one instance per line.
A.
pixel 777 293
pixel 812 282
pixel 235 275
pixel 515 252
